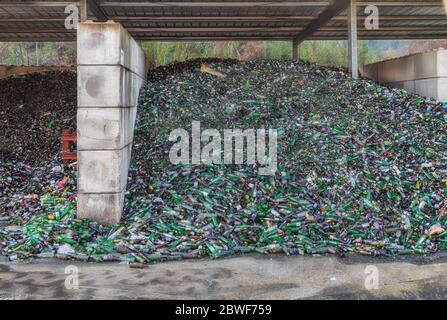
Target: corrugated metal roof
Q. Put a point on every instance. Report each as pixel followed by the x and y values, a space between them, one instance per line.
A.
pixel 223 20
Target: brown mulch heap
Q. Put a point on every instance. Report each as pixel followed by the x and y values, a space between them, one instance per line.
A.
pixel 34 109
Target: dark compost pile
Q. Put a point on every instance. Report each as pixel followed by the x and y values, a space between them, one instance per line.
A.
pixel 34 109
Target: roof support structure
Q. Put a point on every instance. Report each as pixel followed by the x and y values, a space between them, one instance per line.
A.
pixel 334 9
pixel 83 10
pixel 299 20
pixel 352 39
pixel 295 51
pixel 211 4
pixel 97 11
pixel 220 4
pixel 49 4
pixel 261 31
pixel 174 19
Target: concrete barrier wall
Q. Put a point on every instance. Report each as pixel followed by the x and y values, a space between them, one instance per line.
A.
pixel 6 71
pixel 111 70
pixel 424 74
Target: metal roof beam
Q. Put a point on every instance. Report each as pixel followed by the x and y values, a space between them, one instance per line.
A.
pixel 270 30
pixel 39 4
pixel 97 11
pixel 72 38
pixel 279 29
pixel 175 19
pixel 427 3
pixel 150 4
pixel 336 8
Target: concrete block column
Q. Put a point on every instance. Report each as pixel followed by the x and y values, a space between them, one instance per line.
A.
pixel 111 70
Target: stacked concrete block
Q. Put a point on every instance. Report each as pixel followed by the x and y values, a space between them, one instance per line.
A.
pixel 424 73
pixel 111 71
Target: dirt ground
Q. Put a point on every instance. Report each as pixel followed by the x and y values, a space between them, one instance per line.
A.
pixel 247 277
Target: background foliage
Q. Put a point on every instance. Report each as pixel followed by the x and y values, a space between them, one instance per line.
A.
pixel 332 53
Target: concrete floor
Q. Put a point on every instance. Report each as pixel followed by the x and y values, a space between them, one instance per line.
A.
pixel 245 277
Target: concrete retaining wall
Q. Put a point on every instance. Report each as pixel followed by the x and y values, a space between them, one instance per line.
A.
pixel 424 74
pixel 111 70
